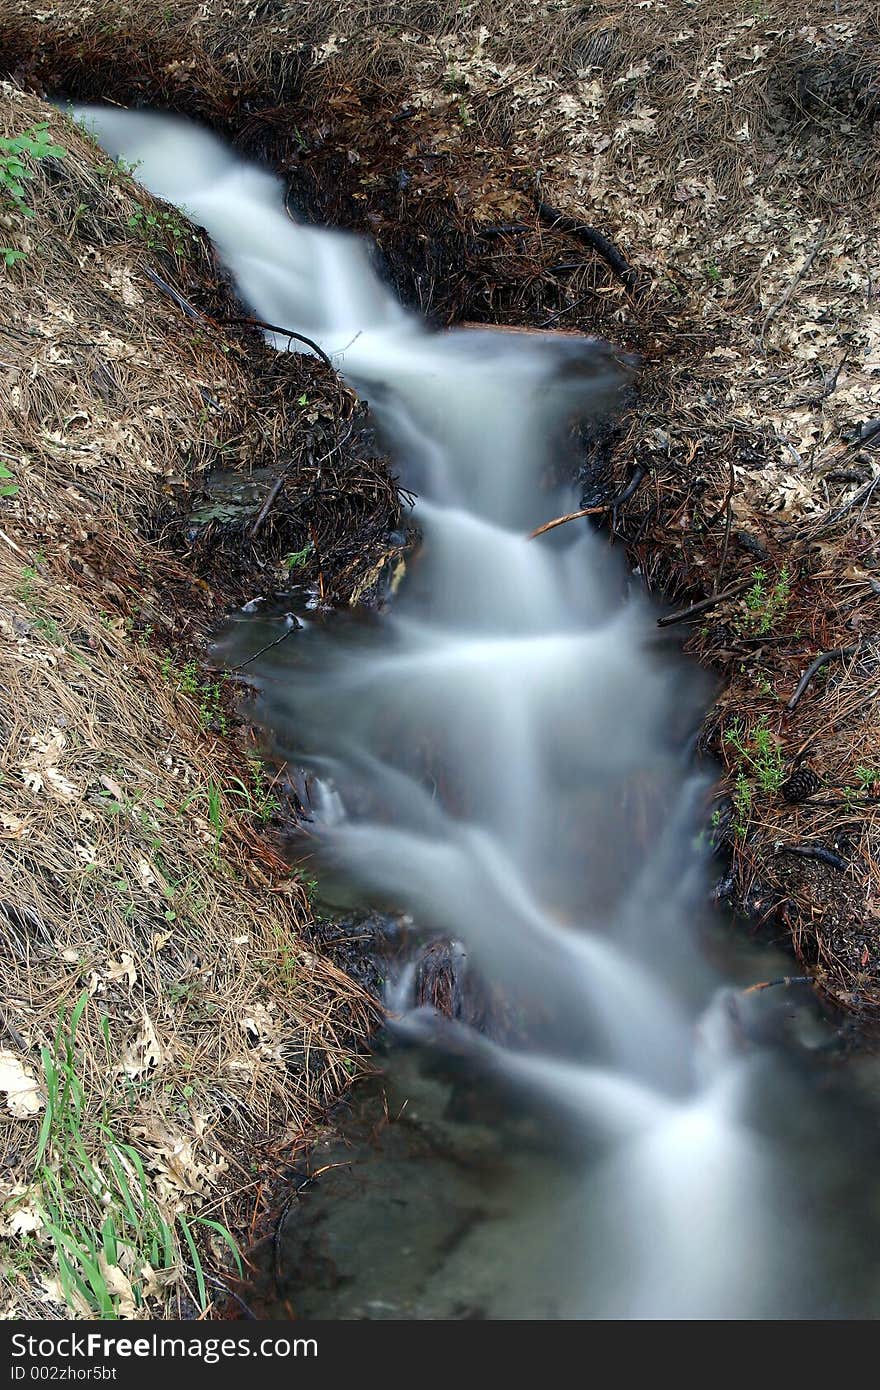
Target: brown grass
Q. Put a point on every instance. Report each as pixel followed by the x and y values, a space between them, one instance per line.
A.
pixel 129 867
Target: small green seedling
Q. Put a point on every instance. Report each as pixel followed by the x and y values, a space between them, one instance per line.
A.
pixel 17 156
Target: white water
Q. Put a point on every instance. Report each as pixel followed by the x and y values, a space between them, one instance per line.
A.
pixel 511 757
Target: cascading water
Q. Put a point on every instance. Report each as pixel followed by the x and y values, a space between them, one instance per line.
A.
pixel 513 761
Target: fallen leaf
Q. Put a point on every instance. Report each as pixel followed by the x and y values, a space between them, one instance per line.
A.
pixel 143 1054
pixel 118 1286
pixel 18 1081
pixel 122 969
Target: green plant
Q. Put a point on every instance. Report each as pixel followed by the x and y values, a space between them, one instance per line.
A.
pixel 260 801
pixel 310 885
pixel 760 762
pixel 713 272
pixel 742 805
pixel 157 228
pixel 51 630
pixel 208 695
pixel 868 778
pixel 760 752
pixel 764 605
pixel 7 488
pixel 17 154
pixel 24 589
pixel 213 798
pixel 111 1240
pixel 298 558
pixel 286 967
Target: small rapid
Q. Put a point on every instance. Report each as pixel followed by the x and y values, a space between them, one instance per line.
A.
pixel 509 758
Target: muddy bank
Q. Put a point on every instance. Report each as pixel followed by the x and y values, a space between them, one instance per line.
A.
pixel 727 168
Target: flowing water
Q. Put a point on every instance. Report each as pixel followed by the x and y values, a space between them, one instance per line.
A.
pixel 507 757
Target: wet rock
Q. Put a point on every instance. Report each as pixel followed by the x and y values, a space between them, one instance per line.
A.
pixel 446 981
pixel 362 945
pixel 752 544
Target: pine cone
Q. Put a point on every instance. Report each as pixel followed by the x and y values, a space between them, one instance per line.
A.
pixel 801 784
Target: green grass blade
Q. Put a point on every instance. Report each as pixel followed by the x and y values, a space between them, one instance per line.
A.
pixel 197 1263
pixel 108 1237
pixel 93 1280
pixel 224 1235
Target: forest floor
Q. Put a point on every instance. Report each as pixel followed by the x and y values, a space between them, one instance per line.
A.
pixel 168 1032
pixel 727 155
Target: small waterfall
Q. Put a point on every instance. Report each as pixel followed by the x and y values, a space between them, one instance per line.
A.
pixel 506 757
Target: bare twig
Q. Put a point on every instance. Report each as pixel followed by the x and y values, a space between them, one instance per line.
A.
pixel 683 614
pixel 560 313
pixel 17 548
pixel 863 495
pixel 285 332
pixel 834 654
pixel 294 627
pixel 729 517
pixel 638 477
pixel 605 248
pixel 785 980
pixel 793 284
pixel 193 313
pixel 271 497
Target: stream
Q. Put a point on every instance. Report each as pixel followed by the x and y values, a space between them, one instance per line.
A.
pixel 608 1126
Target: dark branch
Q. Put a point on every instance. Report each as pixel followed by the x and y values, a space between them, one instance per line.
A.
pixel 704 604
pixel 599 243
pixel 835 654
pixel 285 332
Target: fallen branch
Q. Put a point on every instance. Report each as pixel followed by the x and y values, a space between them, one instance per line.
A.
pixel 285 332
pixel 624 496
pixel 785 980
pixel 507 229
pixel 789 291
pixel 826 856
pixel 189 309
pixel 599 243
pixel 835 654
pixel 193 313
pixel 728 519
pixel 704 604
pixel 271 497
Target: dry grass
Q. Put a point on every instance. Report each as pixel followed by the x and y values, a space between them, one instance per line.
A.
pixel 132 872
pixel 731 153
